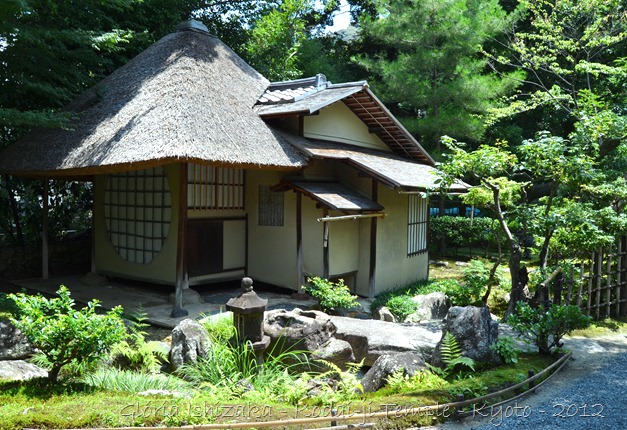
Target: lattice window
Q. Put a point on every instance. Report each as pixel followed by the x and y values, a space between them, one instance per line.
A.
pixel 210 187
pixel 270 207
pixel 138 211
pixel 417 225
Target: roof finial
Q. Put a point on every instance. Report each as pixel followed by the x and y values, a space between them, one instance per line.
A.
pixel 192 25
pixel 321 80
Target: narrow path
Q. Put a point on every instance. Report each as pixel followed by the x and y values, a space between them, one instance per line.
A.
pixel 590 392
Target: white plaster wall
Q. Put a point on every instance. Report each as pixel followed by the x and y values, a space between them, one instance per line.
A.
pixel 271 250
pixel 337 123
pixel 394 267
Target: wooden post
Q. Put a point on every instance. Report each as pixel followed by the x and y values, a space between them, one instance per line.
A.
pixel 582 267
pixel 93 227
pixel 299 240
pixel 619 277
pixel 590 280
pixel 622 261
pixel 598 286
pixel 608 286
pixel 181 246
pixel 373 245
pixel 325 245
pixel 44 234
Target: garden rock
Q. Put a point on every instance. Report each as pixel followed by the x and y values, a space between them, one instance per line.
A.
pixel 386 365
pixel 19 370
pixel 190 340
pixel 475 331
pixel 336 351
pixel 372 338
pixel 13 344
pixel 432 306
pixel 383 314
pixel 298 329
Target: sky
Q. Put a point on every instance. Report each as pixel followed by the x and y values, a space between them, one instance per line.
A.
pixel 341 19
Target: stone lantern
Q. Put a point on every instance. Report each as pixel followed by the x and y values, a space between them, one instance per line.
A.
pixel 248 311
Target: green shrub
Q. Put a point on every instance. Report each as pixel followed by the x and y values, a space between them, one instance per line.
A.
pixel 459 231
pixel 331 296
pixel 8 308
pixel 547 327
pixel 506 348
pixel 401 306
pixel 63 334
pixel 219 327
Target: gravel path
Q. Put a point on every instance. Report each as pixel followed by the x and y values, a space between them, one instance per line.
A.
pixel 590 393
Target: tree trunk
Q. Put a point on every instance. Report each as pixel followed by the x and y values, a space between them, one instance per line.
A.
pixel 53 374
pixel 514 269
pixel 515 252
pixel 496 265
pixel 548 232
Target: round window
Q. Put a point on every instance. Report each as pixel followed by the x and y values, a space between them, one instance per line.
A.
pixel 138 213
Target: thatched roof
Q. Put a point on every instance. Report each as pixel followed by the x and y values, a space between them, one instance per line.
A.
pixel 187 97
pixel 391 169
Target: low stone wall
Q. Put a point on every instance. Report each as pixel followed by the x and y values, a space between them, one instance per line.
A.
pixel 72 255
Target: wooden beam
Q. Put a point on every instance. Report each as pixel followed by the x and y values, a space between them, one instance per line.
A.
pixel 44 234
pixel 181 246
pixel 373 245
pixel 325 245
pixel 299 239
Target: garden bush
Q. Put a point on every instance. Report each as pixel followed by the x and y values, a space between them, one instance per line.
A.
pixel 331 296
pixel 459 231
pixel 64 334
pixel 401 306
pixel 547 327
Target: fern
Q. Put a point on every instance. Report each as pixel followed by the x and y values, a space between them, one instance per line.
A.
pixel 451 353
pixel 450 349
pixel 135 353
pixel 348 383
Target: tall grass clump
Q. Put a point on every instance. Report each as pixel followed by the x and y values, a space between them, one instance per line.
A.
pixel 127 381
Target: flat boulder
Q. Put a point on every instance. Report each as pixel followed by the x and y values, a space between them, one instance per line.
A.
pixel 475 330
pixel 13 344
pixel 298 329
pixel 386 365
pixel 190 341
pixel 372 338
pixel 19 370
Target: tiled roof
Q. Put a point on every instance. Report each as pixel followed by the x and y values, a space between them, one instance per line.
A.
pixel 398 172
pixel 309 95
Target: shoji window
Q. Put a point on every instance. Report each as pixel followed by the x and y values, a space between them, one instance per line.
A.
pixel 210 187
pixel 417 225
pixel 270 207
pixel 138 213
